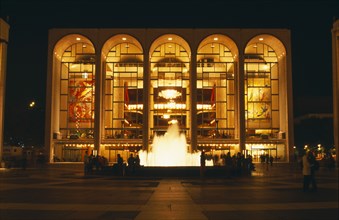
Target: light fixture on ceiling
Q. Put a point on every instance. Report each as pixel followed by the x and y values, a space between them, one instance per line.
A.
pixel 166 116
pixel 84 75
pixel 169 94
pixel 173 121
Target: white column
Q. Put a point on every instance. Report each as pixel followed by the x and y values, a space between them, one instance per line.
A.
pixel 193 101
pixel 4 29
pixel 241 102
pixel 98 101
pixel 146 93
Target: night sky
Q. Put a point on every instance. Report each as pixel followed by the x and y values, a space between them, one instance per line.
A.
pixel 310 22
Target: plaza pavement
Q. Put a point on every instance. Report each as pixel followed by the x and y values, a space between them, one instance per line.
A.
pixel 63 192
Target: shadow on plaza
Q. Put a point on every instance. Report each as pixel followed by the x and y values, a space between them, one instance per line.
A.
pixel 187 171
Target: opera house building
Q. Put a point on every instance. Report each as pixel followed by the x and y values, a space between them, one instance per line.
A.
pixel 123 91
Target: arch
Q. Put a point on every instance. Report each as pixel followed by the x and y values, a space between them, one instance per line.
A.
pixel 215 93
pixel 118 39
pixel 73 82
pixel 123 74
pixel 222 39
pixel 265 94
pixel 170 60
pixel 271 41
pixel 170 38
pixel 67 41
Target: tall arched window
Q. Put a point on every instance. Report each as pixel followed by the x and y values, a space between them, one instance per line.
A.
pixel 261 91
pixel 215 90
pixel 123 90
pixel 77 91
pixel 169 94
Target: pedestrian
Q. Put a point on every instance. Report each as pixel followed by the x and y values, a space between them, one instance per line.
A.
pixel 267 160
pixel 86 163
pixel 314 167
pixel 307 172
pixel 120 162
pixel 137 161
pixel 202 164
pixel 271 160
pixel 131 163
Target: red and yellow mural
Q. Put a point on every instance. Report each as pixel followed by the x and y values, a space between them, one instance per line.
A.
pixel 81 99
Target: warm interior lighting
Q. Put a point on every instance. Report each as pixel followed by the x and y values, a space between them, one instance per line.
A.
pixel 170 105
pixel 204 106
pixel 169 94
pixel 173 121
pixel 84 75
pixel 135 106
pixel 78 38
pixel 169 38
pixel 124 38
pixel 261 39
pixel 215 39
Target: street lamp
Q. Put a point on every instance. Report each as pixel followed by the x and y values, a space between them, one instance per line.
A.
pixel 32 104
pixel 319 150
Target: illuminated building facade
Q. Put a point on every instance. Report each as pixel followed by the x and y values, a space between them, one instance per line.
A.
pixel 111 91
pixel 4 32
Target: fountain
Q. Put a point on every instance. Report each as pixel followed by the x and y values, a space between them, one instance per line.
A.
pixel 169 150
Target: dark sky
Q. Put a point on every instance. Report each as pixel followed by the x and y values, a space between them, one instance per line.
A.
pixel 310 22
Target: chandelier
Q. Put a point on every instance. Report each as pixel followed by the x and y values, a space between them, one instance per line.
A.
pixel 169 94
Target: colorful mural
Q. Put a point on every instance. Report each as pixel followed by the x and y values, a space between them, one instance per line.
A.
pixel 81 98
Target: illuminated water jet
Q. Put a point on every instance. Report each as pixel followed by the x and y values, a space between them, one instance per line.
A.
pixel 170 149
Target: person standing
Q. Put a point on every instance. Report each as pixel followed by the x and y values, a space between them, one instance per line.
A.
pixel 120 165
pixel 314 167
pixel 307 172
pixel 271 160
pixel 86 163
pixel 202 164
pixel 131 164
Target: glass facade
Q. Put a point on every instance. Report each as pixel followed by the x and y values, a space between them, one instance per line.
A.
pixel 261 91
pixel 77 93
pixel 123 92
pixel 215 91
pixel 262 100
pixel 104 98
pixel 169 88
